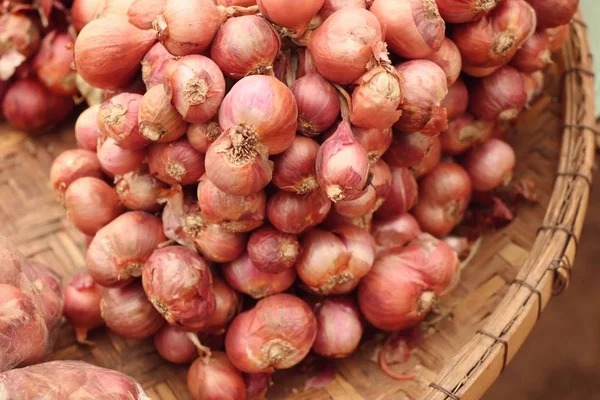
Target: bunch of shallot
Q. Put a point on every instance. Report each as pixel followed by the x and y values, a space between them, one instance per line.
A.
pixel 303 167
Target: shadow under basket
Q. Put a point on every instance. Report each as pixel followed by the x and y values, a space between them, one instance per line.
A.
pixel 501 294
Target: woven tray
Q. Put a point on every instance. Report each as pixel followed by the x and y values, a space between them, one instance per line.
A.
pixel 496 305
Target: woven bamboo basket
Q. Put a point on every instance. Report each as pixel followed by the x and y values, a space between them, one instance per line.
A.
pixel 496 305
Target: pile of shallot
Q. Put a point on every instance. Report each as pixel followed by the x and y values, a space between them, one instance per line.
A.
pixel 38 85
pixel 267 183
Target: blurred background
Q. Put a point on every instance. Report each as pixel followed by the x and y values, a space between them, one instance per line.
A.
pixel 561 358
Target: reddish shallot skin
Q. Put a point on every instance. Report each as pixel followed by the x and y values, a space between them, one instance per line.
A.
pixel 295 169
pixel 490 165
pixel 374 141
pixel 114 44
pixel 178 283
pixel 272 251
pixel 339 327
pixel 19 34
pixel 534 85
pixel 500 96
pixel 158 120
pixel 173 344
pixel 456 101
pixel 244 277
pixel 403 195
pixel 154 65
pixel 49 294
pixel 360 207
pixel 266 107
pixel 141 13
pixel 553 13
pixel 215 379
pixel 461 11
pixel 331 6
pixel 201 136
pixel 449 59
pixel 318 104
pixel 53 64
pixel 395 232
pixel 424 89
pixel 276 334
pixel 113 258
pixel 534 55
pixel 294 214
pixel 278 12
pixel 241 3
pixel 128 313
pixel 337 58
pixel 558 36
pixel 376 99
pixel 234 213
pixel 87 130
pixel 494 39
pixel 228 304
pixel 382 182
pixel 91 204
pixel 196 87
pixel 82 304
pixel 245 45
pixel 83 11
pixel 413 28
pixel 257 386
pixel 176 162
pixel 444 195
pixel 408 149
pixel 116 160
pixel 431 160
pixel 181 21
pixel 71 165
pixel 118 119
pixel 337 177
pixel 405 282
pixel 465 132
pixel 140 191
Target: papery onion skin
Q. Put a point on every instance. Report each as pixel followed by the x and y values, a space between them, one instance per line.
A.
pixel 128 313
pixel 176 162
pixel 188 27
pixel 114 8
pixel 413 28
pixel 534 85
pixel 87 130
pixel 83 11
pixel 335 221
pixel 141 13
pixel 374 141
pixel 159 121
pixel 82 304
pixel 140 191
pixel 395 232
pixel 173 345
pixel 241 3
pixel 228 304
pixel 331 6
pixel 272 251
pixel 534 55
pixel 360 207
pixel 456 101
pixel 118 161
pixel 339 327
pixel 431 160
pixel 494 39
pixel 234 213
pixel 558 36
pixel 490 165
pixel 19 34
pixel 294 214
pixel 405 283
pixel 201 136
pixel 265 107
pixel 464 133
pixel 382 182
pixel 108 51
pixel 245 45
pixel 294 169
pixel 449 59
pixel 342 165
pixel 424 89
pixel 278 12
pixel 361 246
pixel 287 331
pixel 91 204
pixel 154 65
pixel 500 96
pixel 71 165
pixel 244 277
pixel 196 87
pixel 461 11
pixel 178 283
pixel 444 196
pixel 113 258
pixel 341 60
pixel 408 149
pixel 217 244
pixel 53 64
pixel 215 379
pixel 318 104
pixel 552 13
pixel 403 195
pixel 376 99
pixel 178 208
pixel 118 119
pixel 257 386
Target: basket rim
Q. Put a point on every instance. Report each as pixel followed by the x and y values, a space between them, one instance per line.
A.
pixel 547 270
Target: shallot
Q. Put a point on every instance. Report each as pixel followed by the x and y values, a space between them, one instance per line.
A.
pixel 465 132
pixel 460 11
pixel 273 251
pixel 456 101
pixel 154 65
pixel 71 165
pixel 82 304
pixel 295 169
pixel 176 162
pixel 118 119
pixel 53 64
pixel 158 120
pixel 490 165
pixel 216 378
pixel 408 149
pixel 500 96
pixel 201 136
pixel 339 327
pixel 87 131
pixel 374 141
pixel 449 59
pixel 140 191
pixel 403 195
pixel 318 104
pixel 294 214
pixel 395 232
pixel 116 160
pixel 173 344
pixel 534 55
pixel 141 13
pixel 278 12
pixel 553 13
